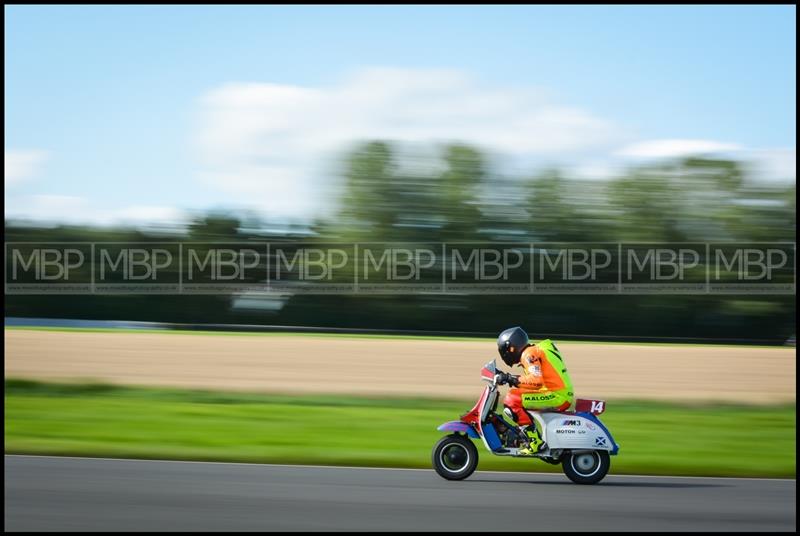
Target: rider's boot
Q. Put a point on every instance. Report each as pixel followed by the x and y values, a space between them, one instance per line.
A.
pixel 534 442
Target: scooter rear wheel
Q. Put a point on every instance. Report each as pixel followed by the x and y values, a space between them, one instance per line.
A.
pixel 454 457
pixel 586 467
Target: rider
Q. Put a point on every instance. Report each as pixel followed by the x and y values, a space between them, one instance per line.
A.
pixel 543 386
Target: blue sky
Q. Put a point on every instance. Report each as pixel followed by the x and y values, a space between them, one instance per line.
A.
pixel 139 112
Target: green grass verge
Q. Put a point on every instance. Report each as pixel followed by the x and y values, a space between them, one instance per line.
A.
pixel 490 340
pixel 101 420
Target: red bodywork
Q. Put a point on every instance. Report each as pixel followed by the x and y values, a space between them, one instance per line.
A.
pixel 473 417
pixel 595 407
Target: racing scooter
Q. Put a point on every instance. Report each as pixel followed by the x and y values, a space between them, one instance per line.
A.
pixel 576 440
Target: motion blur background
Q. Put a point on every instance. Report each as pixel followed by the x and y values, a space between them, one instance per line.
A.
pixel 403 124
pixel 406 124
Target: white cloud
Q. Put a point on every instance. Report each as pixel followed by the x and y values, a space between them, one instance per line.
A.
pixel 80 211
pixel 772 164
pixel 596 170
pixel 21 165
pixel 778 164
pixel 268 144
pixel 675 148
pixel 47 207
pixel 143 214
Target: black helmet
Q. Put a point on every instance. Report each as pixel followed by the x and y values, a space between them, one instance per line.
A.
pixel 510 344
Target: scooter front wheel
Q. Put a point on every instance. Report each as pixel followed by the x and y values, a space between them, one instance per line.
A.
pixel 455 457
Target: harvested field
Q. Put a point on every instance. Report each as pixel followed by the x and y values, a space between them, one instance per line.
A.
pixel 402 367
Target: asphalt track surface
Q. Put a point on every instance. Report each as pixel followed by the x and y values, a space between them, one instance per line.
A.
pixel 88 494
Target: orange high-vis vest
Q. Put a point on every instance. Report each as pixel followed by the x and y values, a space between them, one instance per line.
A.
pixel 540 371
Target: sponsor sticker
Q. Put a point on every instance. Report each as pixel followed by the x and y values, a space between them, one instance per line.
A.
pixel 535 397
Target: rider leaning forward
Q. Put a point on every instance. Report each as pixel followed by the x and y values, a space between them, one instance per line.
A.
pixel 543 386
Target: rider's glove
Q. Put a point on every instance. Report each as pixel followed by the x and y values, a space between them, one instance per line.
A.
pixel 505 377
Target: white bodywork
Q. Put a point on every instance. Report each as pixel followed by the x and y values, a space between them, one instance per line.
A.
pixel 570 431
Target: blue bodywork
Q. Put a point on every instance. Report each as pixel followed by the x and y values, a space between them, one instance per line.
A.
pixel 595 420
pixel 492 439
pixel 458 426
pixel 489 433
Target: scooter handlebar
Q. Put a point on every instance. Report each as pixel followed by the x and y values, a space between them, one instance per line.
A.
pixel 504 378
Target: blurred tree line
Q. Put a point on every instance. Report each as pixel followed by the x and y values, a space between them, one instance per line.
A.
pixel 388 197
